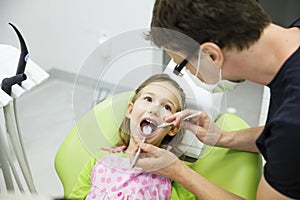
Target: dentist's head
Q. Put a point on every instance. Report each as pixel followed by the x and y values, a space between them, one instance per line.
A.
pixel 209 37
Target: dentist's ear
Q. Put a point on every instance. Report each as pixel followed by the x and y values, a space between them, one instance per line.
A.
pixel 214 51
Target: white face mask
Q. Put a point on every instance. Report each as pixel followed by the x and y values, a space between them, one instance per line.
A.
pixel 221 85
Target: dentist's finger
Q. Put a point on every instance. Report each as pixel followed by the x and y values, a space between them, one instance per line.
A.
pixel 208 133
pixel 180 116
pixel 155 159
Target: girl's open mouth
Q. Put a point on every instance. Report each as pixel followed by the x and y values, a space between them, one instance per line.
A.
pixel 147 127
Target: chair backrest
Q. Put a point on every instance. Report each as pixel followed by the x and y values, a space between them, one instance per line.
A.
pixel 236 171
pixel 233 170
pixel 97 128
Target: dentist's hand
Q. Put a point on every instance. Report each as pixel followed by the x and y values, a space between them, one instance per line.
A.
pixel 157 160
pixel 202 126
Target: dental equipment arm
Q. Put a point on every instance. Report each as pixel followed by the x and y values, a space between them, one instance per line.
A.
pixel 10 114
pixel 6 86
pixel 7 165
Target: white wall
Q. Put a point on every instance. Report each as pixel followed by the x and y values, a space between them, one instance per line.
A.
pixel 62 33
pixel 282 12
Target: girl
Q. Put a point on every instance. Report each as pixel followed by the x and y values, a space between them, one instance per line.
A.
pixel 113 177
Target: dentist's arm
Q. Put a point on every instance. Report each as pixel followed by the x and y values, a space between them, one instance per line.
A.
pixel 243 140
pixel 165 163
pixel 209 133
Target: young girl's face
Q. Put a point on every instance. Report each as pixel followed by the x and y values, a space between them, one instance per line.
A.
pixel 155 102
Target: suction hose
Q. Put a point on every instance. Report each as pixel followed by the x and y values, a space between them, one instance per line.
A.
pixel 24 52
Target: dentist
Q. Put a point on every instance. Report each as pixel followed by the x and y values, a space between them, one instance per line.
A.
pixel 243 44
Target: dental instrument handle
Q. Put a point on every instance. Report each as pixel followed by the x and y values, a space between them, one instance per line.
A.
pixel 173 122
pixel 192 115
pixel 7 83
pixel 137 155
pixel 166 124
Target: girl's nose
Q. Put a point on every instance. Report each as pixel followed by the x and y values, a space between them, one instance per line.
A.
pixel 154 110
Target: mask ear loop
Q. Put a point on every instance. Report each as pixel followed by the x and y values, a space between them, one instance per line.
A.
pixel 220 75
pixel 198 63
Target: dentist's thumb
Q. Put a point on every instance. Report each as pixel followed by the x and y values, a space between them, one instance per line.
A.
pixel 155 159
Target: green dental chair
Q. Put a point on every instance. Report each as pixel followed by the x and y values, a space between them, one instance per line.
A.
pixel 236 171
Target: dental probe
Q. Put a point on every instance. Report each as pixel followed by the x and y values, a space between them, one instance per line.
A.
pixel 137 155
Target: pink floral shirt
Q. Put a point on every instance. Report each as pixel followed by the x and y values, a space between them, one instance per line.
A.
pixel 113 178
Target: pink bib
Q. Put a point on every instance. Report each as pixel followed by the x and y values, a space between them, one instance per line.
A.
pixel 113 178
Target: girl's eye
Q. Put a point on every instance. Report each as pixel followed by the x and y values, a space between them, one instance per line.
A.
pixel 167 107
pixel 148 99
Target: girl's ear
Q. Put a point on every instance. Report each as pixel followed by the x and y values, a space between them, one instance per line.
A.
pixel 173 131
pixel 129 109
